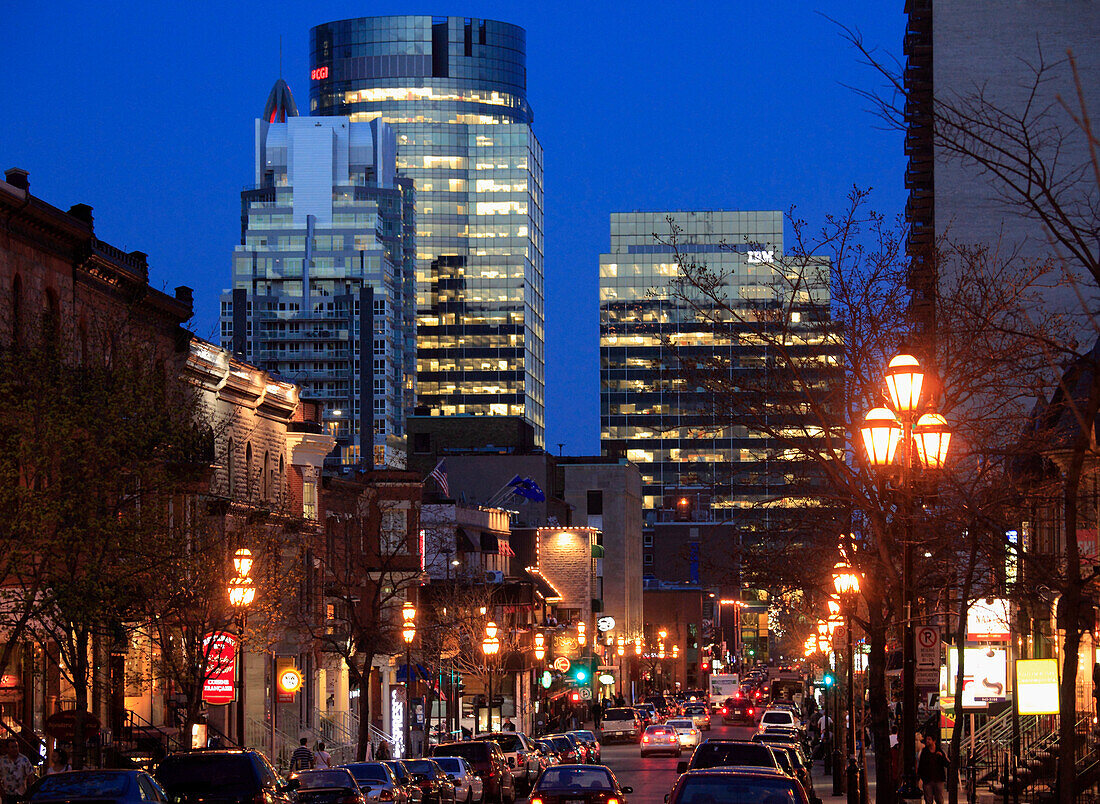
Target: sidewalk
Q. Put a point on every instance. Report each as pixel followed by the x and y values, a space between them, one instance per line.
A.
pixel 823 784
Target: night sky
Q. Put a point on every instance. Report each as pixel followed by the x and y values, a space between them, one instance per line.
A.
pixel 144 111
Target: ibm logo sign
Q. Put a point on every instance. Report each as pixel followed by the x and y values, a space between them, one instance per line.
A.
pixel 760 257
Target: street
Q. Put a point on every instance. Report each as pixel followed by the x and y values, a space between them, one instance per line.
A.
pixel 653 777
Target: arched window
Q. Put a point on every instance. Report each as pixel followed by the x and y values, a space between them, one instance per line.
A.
pixel 16 310
pixel 280 482
pixel 51 318
pixel 248 470
pixel 229 469
pixel 82 335
pixel 264 479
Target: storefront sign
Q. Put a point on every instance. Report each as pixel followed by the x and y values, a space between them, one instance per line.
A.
pixel 62 725
pixel 289 680
pixel 1037 686
pixel 985 676
pixel 220 684
pixel 988 621
pixel 562 665
pixel 605 623
pixel 397 721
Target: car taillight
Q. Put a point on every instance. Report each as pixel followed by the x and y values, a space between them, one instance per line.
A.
pixel 749 710
pixel 350 800
pixel 723 710
pixel 536 801
pixel 259 798
pixel 385 795
pixel 613 801
pixel 645 739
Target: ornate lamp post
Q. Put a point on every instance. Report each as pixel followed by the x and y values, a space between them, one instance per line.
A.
pixel 490 646
pixel 883 430
pixel 846 583
pixel 620 651
pixel 408 633
pixel 241 594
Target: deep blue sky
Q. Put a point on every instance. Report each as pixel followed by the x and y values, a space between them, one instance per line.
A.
pixel 144 110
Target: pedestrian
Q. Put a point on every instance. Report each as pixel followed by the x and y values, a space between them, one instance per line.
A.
pixel 302 758
pixel 932 771
pixel 508 725
pixel 322 758
pixel 383 751
pixel 59 762
pixel 15 771
pixel 597 713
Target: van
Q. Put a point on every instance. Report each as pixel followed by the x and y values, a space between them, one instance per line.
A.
pixel 621 723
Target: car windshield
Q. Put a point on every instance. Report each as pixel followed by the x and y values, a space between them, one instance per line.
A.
pixel 619 714
pixel 715 755
pixel 777 717
pixel 398 769
pixel 695 709
pixel 312 780
pixel 561 743
pixel 507 742
pixel 678 723
pixel 369 772
pixel 450 764
pixel 659 730
pixel 425 767
pixel 729 788
pixel 82 785
pixel 559 778
pixel 587 736
pixel 193 773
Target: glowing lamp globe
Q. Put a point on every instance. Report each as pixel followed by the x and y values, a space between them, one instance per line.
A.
pixel 904 379
pixel 932 437
pixel 881 432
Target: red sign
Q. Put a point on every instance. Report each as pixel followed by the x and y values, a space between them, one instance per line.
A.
pixel 62 725
pixel 220 684
pixel 319 74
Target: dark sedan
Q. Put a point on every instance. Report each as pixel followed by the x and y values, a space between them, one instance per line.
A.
pixel 124 787
pixel 591 743
pixel 331 786
pixel 567 750
pixel 737 785
pixel 590 784
pixel 436 787
pixel 405 781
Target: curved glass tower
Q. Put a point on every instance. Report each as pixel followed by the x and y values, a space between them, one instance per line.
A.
pixel 454 90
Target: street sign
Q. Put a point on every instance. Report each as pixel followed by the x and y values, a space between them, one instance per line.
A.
pixel 586 693
pixel 562 664
pixel 219 685
pixel 605 623
pixel 927 641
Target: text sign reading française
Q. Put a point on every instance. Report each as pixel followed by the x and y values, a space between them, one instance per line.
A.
pixel 318 74
pixel 1037 686
pixel 219 686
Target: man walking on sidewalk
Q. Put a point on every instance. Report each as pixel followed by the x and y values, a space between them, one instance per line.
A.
pixel 932 771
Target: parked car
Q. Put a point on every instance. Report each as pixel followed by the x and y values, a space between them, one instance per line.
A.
pixel 377 781
pixel 714 753
pixel 435 786
pixel 328 786
pixel 665 707
pixel 521 754
pixel 468 785
pixel 590 784
pixel 569 752
pixel 652 714
pixel 405 782
pixel 590 742
pixel 488 762
pixel 223 776
pixel 621 723
pixel 118 786
pixel 685 730
pixel 737 784
pixel 548 752
pixel 585 751
pixel 792 760
pixel 700 714
pixel 780 716
pixel 660 739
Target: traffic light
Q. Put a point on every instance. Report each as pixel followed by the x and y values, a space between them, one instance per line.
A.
pixel 581 674
pixel 828 679
pixel 575 697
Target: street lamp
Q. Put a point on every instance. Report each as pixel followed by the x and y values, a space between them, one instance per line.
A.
pixel 540 646
pixel 620 651
pixel 882 430
pixel 408 633
pixel 846 583
pixel 582 634
pixel 241 594
pixel 490 646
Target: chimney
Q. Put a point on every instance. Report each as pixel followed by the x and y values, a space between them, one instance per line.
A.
pixel 185 294
pixel 82 212
pixel 17 177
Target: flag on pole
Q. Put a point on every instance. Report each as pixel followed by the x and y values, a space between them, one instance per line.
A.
pixel 439 475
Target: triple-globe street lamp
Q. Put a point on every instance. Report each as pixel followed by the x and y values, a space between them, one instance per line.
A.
pixel 846 584
pixel 408 633
pixel 924 437
pixel 241 594
pixel 490 646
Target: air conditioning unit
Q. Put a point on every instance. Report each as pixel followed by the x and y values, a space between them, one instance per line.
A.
pixel 494 576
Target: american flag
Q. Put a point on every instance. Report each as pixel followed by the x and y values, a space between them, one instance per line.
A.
pixel 439 475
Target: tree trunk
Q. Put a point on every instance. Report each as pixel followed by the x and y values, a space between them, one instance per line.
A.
pixel 1067 616
pixel 879 709
pixel 80 672
pixel 960 641
pixel 363 744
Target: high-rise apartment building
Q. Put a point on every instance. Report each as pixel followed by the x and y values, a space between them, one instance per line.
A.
pixel 324 280
pixel 697 466
pixel 455 91
pixel 955 49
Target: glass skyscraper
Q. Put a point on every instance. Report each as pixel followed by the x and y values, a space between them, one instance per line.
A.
pixel 324 279
pixel 650 410
pixel 454 90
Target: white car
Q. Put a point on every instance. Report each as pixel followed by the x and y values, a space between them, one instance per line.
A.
pixel 700 714
pixel 686 731
pixel 779 716
pixel 469 789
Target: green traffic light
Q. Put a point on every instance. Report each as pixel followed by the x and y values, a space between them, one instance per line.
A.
pixel 828 680
pixel 582 675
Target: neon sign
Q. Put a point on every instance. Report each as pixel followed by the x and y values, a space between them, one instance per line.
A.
pixel 318 74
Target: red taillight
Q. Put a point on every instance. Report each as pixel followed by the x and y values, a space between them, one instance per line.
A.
pixel 613 801
pixel 749 710
pixel 385 795
pixel 536 801
pixel 259 798
pixel 645 739
pixel 723 710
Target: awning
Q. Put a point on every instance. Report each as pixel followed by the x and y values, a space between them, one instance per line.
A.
pixel 489 542
pixel 543 587
pixel 505 548
pixel 422 673
pixel 463 542
pixel 597 551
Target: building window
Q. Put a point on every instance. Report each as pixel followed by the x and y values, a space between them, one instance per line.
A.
pixel 595 502
pixel 309 499
pixel 264 479
pixel 647 540
pixel 394 532
pixel 422 443
pixel 230 480
pixel 647 559
pixel 248 470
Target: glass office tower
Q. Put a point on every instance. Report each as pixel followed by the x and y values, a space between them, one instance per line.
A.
pixel 698 463
pixel 454 90
pixel 323 280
